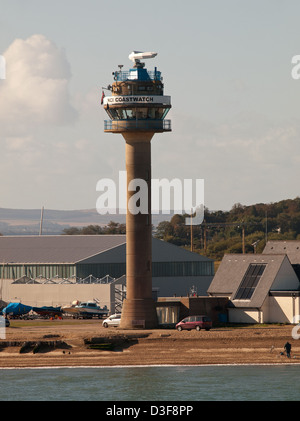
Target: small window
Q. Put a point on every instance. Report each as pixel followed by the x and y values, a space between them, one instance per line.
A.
pixel 129 113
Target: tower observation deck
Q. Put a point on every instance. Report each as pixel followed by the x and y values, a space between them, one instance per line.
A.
pixel 137 108
pixel 137 102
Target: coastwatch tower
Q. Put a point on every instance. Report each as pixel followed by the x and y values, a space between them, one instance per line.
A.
pixel 137 108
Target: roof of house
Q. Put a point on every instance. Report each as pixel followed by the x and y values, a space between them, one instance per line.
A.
pixel 232 270
pixel 291 248
pixel 83 248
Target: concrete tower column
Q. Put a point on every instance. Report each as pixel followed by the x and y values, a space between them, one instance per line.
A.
pixel 139 307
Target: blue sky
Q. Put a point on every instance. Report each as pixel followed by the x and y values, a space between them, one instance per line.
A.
pixel 225 63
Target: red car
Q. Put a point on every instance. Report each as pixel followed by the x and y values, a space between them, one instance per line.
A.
pixel 195 322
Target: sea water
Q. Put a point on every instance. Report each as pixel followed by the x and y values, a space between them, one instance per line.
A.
pixel 161 383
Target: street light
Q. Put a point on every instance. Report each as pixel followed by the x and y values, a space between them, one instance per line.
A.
pixel 255 244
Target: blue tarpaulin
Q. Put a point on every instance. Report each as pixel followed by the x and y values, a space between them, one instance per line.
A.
pixel 16 309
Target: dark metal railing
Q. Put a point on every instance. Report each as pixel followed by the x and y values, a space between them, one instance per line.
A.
pixel 121 76
pixel 123 125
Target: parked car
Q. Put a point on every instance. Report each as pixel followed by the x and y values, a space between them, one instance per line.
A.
pixel 195 322
pixel 113 320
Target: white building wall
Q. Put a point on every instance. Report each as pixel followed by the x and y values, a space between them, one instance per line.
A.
pixel 63 294
pixel 274 310
pixel 281 309
pixel 55 294
pixel 238 315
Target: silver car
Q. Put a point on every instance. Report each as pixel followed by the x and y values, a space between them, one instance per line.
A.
pixel 113 320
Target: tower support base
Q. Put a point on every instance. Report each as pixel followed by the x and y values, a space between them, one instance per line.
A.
pixel 139 314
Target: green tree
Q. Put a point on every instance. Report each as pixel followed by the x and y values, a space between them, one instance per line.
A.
pixel 164 229
pixel 71 231
pixel 91 230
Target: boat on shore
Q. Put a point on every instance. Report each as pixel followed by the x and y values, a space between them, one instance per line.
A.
pixel 48 311
pixel 87 309
pixel 16 310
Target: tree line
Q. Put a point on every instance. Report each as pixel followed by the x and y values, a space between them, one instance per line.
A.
pixel 110 228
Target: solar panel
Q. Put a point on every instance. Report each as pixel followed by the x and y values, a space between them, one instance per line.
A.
pixel 250 281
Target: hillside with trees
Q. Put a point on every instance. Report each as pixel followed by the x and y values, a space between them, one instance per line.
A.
pixel 243 228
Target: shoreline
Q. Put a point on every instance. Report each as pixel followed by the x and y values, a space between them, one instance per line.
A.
pixel 151 366
pixel 86 344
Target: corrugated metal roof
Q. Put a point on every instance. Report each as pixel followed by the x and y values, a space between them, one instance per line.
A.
pixel 167 252
pixel 87 248
pixel 56 248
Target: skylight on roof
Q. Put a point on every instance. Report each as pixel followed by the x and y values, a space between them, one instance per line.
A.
pixel 250 281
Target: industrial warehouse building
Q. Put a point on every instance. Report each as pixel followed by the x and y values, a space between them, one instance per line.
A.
pixel 261 288
pixel 56 270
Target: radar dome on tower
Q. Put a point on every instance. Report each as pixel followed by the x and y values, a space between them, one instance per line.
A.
pixel 136 56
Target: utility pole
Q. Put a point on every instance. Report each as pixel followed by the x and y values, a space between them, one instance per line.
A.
pixel 221 224
pixel 41 222
pixel 266 227
pixel 192 239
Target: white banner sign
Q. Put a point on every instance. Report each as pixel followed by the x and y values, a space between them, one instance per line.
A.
pixel 137 99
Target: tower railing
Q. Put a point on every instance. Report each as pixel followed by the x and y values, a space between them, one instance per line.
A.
pixel 121 76
pixel 123 125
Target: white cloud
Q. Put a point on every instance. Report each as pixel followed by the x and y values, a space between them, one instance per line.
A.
pixel 35 91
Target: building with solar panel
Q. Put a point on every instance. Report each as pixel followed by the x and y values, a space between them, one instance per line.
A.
pixel 56 270
pixel 261 288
